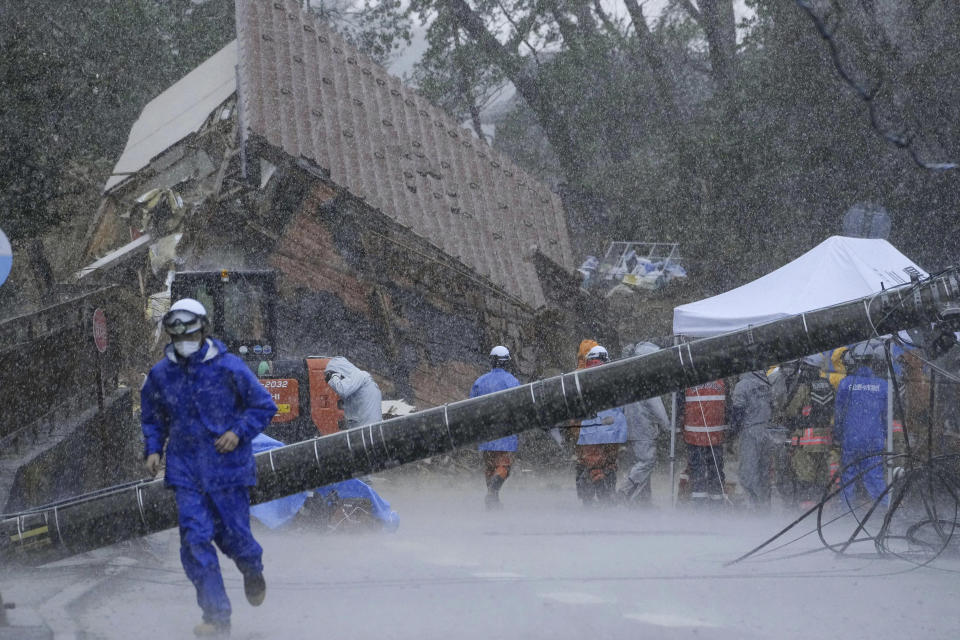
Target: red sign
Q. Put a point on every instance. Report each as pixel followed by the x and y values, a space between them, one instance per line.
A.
pixel 100 330
pixel 286 395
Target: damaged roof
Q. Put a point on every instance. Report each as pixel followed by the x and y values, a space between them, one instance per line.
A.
pixel 304 89
pixel 177 112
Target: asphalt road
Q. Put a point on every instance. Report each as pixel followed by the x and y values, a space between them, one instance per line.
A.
pixel 543 567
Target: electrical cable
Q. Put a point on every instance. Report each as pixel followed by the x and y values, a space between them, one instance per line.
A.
pixel 921 478
pixel 917 524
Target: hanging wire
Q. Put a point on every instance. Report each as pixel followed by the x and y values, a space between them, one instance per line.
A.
pixel 918 511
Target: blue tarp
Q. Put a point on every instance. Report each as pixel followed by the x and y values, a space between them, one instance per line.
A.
pixel 277 513
pixel 357 489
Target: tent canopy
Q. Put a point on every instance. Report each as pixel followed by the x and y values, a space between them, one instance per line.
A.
pixel 837 270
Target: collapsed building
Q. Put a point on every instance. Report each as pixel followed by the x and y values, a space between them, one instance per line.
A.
pixel 399 239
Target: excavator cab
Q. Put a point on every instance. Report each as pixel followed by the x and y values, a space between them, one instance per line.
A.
pixel 240 305
pixel 241 309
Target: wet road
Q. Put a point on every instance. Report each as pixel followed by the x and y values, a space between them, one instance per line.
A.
pixel 542 567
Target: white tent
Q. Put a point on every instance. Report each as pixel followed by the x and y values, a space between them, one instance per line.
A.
pixel 837 270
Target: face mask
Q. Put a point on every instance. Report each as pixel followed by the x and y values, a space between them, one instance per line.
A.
pixel 186 348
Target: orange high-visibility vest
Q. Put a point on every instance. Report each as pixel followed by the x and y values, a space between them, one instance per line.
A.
pixel 705 414
pixel 812 436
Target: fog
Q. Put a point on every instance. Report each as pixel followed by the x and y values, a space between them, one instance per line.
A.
pixel 513 189
pixel 542 567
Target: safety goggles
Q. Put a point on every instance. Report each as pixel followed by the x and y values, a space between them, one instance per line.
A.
pixel 180 322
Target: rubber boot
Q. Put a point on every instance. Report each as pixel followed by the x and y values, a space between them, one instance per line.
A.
pixel 212 630
pixel 634 494
pixel 255 588
pixel 646 493
pixel 492 501
pixel 606 489
pixel 585 489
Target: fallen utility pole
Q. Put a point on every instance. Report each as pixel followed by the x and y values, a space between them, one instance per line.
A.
pixel 137 509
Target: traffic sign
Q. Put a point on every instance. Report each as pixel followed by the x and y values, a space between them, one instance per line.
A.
pixel 6 257
pixel 100 330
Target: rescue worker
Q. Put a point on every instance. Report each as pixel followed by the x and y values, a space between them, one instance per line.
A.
pixel 360 397
pixel 644 421
pixel 598 445
pixel 585 346
pixel 497 454
pixel 704 426
pixel 835 369
pixel 917 384
pixel 750 419
pixel 861 422
pixel 810 414
pixel 207 407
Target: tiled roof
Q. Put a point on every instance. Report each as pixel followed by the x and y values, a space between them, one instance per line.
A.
pixel 305 90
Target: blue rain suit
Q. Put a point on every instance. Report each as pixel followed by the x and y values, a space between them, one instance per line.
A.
pixel 189 403
pixel 608 427
pixel 597 446
pixel 861 428
pixel 496 379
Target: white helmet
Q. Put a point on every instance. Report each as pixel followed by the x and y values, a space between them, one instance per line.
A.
pixel 499 356
pixel 864 352
pixel 189 304
pixel 598 353
pixel 643 348
pixel 185 316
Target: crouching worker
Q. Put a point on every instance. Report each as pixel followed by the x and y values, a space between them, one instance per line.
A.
pixel 598 445
pixel 360 397
pixel 207 406
pixel 497 454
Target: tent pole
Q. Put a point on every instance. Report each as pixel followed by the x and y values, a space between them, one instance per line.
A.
pixel 890 392
pixel 673 441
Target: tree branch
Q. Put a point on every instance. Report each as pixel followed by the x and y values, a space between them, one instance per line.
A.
pixel 520 31
pixel 585 22
pixel 901 141
pixel 605 19
pixel 691 9
pixel 523 79
pixel 465 88
pixel 567 29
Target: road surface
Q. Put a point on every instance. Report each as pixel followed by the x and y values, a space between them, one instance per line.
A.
pixel 543 567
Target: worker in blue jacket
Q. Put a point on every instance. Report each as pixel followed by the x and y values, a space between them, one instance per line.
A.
pixel 207 407
pixel 598 445
pixel 497 454
pixel 861 422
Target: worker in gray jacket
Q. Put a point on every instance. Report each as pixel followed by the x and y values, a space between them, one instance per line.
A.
pixel 644 421
pixel 751 413
pixel 359 394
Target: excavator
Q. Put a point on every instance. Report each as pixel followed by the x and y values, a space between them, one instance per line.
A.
pixel 241 305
